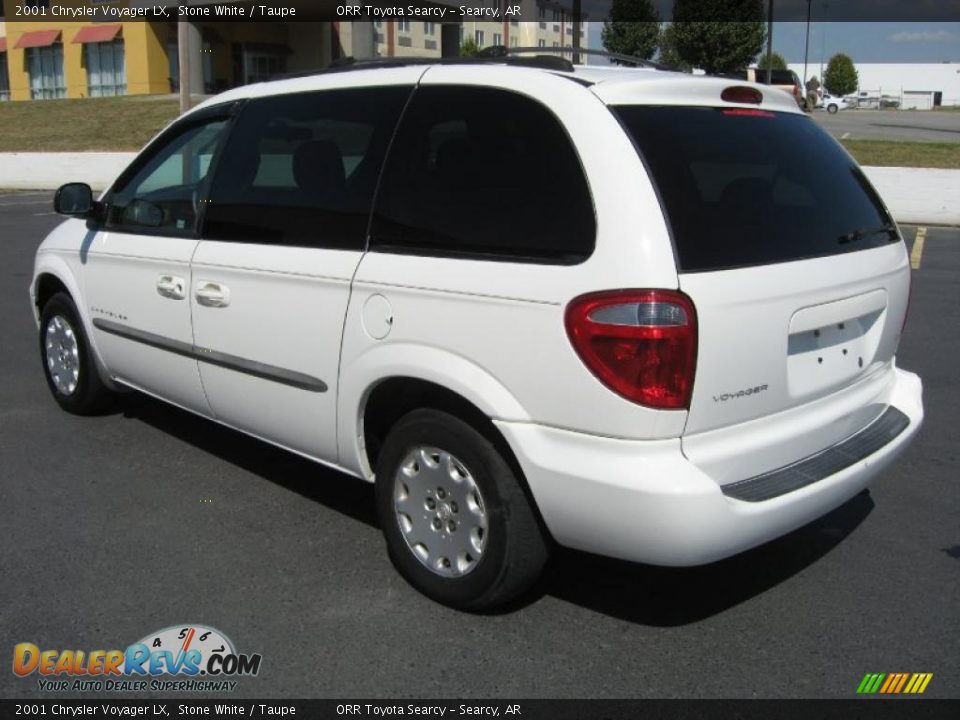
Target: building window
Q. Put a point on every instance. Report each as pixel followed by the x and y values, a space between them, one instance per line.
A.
pixel 46 72
pixel 541 43
pixel 542 11
pixel 403 25
pixel 429 44
pixel 513 42
pixel 556 44
pixel 497 39
pixel 404 41
pixel 478 37
pixel 4 78
pixel 259 66
pixel 106 72
pixel 543 26
pixel 429 28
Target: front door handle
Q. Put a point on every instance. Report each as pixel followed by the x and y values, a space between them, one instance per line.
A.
pixel 171 286
pixel 212 294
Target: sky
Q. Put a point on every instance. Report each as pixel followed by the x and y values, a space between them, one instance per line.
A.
pixel 891 42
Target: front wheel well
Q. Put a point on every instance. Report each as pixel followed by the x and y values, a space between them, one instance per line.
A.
pixel 47 286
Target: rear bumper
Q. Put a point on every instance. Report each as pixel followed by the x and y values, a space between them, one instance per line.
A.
pixel 644 501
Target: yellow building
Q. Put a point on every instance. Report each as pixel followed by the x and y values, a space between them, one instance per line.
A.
pixel 53 57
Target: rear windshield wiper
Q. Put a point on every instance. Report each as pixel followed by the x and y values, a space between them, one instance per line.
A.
pixel 888 229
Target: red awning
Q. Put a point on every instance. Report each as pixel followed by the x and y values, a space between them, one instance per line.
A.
pixel 97 33
pixel 40 38
pixel 3 44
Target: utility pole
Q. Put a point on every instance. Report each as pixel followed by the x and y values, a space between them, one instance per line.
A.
pixel 183 65
pixel 769 40
pixel 806 50
pixel 577 14
pixel 823 40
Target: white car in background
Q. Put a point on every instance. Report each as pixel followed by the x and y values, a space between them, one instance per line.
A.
pixel 633 312
pixel 832 104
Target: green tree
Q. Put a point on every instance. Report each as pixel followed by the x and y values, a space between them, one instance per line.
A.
pixel 668 51
pixel 840 77
pixel 633 28
pixel 776 62
pixel 469 48
pixel 728 42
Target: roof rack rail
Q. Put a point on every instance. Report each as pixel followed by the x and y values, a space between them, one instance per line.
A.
pixel 545 62
pixel 501 51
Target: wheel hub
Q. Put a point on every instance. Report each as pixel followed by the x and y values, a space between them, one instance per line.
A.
pixel 440 511
pixel 62 355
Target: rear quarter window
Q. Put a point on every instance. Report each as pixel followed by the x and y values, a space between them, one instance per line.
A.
pixel 751 187
pixel 483 173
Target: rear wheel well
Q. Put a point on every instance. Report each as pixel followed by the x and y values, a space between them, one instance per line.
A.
pixel 48 286
pixel 393 398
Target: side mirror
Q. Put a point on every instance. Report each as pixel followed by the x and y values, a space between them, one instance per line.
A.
pixel 74 199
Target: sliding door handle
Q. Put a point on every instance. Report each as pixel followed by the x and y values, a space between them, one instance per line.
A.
pixel 211 294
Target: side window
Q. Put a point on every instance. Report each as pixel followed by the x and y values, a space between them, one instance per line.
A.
pixel 483 172
pixel 301 169
pixel 163 195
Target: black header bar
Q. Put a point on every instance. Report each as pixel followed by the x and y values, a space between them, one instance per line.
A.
pixel 453 10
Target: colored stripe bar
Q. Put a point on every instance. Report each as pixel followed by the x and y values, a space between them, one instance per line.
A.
pixel 890 679
pixel 903 680
pixel 862 687
pixel 911 684
pixel 876 683
pixel 926 681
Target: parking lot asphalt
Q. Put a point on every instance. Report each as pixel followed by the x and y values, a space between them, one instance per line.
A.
pixel 903 125
pixel 117 526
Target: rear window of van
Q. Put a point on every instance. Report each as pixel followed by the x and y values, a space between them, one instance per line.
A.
pixel 744 187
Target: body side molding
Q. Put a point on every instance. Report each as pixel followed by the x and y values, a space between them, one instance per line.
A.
pixel 214 357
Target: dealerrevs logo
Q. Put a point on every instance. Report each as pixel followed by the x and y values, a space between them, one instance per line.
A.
pixel 202 658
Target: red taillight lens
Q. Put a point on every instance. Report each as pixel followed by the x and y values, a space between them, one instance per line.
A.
pixel 748 112
pixel 642 344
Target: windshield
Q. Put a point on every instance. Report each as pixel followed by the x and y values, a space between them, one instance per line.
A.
pixel 747 187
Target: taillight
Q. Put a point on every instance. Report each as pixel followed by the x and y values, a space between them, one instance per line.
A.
pixel 642 344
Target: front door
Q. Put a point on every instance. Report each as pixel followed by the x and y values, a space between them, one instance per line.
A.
pixel 136 267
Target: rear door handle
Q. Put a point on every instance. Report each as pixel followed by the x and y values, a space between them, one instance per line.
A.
pixel 171 286
pixel 212 294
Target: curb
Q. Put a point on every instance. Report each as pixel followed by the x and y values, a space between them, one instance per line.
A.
pixel 913 195
pixel 919 195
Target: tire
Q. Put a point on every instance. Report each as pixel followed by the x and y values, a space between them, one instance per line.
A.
pixel 832 109
pixel 68 362
pixel 434 470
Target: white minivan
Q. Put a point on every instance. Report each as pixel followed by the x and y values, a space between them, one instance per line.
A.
pixel 635 312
